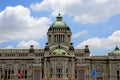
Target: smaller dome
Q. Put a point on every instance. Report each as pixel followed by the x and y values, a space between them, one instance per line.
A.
pixel 59 52
pixel 116 50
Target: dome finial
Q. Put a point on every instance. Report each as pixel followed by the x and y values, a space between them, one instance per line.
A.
pixel 59 14
pixel 59 17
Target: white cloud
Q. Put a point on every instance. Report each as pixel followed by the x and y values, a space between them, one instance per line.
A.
pixel 84 11
pixel 26 44
pixel 100 43
pixel 17 23
pixel 79 34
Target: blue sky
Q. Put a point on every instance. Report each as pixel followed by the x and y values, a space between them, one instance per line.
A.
pixel 93 22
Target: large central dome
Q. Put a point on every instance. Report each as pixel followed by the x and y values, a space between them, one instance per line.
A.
pixel 59 32
pixel 59 23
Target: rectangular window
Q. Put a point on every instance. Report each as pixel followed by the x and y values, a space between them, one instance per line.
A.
pixel 75 74
pixel 118 75
pixel 59 73
pixel 5 74
pixel 55 38
pixel 51 72
pixel 42 73
pixel 25 74
pixel 67 72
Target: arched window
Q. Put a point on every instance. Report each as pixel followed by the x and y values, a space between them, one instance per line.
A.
pixel 9 71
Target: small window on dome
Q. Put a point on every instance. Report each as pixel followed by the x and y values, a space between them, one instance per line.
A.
pixel 63 53
pixel 54 52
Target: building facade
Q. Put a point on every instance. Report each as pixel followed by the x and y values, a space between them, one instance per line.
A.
pixel 59 60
